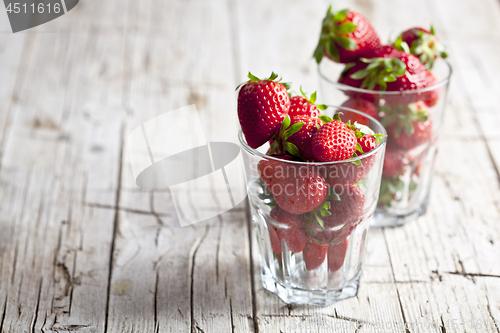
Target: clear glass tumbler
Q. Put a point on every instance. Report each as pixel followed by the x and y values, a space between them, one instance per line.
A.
pixel 414 120
pixel 313 257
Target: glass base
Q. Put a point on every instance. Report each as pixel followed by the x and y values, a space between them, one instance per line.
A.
pixel 384 218
pixel 293 295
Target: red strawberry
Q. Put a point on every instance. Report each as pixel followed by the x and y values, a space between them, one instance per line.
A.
pixel 431 96
pixel 334 141
pixel 348 209
pixel 421 133
pixel 345 36
pixel 275 240
pixel 297 190
pixel 302 138
pixel 293 233
pixel 336 255
pixel 363 106
pixel 422 43
pixel 262 106
pixel 394 162
pixel 314 255
pixel 350 173
pixel 408 125
pixel 300 106
pixel 396 71
pixel 335 219
pixel 367 142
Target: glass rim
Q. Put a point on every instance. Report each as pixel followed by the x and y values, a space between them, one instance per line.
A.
pixel 252 151
pixel 342 86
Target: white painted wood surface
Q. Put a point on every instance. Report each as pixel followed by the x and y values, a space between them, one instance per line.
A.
pixel 82 249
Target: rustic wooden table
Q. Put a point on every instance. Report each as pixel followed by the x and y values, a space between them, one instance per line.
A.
pixel 82 249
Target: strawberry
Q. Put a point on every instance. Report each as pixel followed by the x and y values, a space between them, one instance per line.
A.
pixel 395 71
pixel 334 141
pixel 345 36
pixel 302 121
pixel 431 96
pixel 275 240
pixel 408 125
pixel 302 138
pixel 420 133
pixel 304 106
pixel 394 162
pixel 293 233
pixel 297 190
pixel 335 219
pixel 314 255
pixel 262 106
pixel 352 172
pixel 422 43
pixel 361 105
pixel 367 143
pixel 300 106
pixel 336 255
pixel 347 207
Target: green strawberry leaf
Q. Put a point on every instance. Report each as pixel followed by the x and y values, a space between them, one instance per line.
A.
pixel 433 32
pixel 361 74
pixel 360 183
pixel 359 148
pixel 324 212
pixel 319 220
pixel 379 137
pixel 336 117
pixel 345 28
pixel 408 127
pixel 326 205
pixel 332 50
pixel 357 162
pixel 340 15
pixel 318 52
pixel 402 46
pixel 292 149
pixel 325 119
pixel 253 77
pixel 273 76
pixel 312 99
pixel 334 196
pixel 321 107
pixel 272 149
pixel 286 123
pixel 292 130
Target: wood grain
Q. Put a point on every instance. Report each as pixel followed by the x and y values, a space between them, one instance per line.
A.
pixel 83 249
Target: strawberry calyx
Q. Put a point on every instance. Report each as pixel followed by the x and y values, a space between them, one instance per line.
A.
pixel 426 46
pixel 403 116
pixel 280 145
pixel 312 99
pixel 273 77
pixel 322 210
pixel 379 71
pixel 391 189
pixel 333 34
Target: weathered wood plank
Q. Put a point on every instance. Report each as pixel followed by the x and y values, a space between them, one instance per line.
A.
pixel 196 277
pixel 75 256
